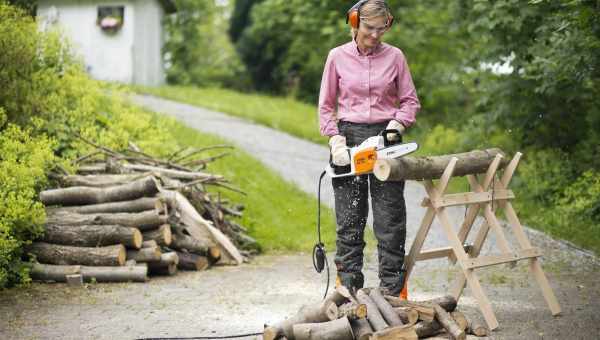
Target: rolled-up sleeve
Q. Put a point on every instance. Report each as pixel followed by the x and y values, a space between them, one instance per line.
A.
pixel 328 98
pixel 407 95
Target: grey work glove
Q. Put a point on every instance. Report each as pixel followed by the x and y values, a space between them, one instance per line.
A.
pixel 395 125
pixel 339 151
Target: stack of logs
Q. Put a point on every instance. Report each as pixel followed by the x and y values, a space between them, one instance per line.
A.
pixel 135 215
pixel 372 315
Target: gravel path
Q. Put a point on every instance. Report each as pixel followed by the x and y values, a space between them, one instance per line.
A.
pixel 226 300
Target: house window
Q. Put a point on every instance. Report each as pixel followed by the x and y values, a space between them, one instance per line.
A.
pixel 110 18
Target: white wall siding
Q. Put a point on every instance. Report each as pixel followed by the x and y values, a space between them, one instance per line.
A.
pixel 131 55
pixel 148 42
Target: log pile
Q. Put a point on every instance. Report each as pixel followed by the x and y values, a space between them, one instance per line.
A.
pixel 369 314
pixel 124 216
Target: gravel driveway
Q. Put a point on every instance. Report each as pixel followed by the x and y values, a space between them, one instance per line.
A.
pixel 233 300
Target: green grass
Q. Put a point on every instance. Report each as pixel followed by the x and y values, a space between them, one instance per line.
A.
pixel 285 114
pixel 279 215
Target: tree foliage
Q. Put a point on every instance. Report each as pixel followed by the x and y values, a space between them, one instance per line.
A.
pixel 198 49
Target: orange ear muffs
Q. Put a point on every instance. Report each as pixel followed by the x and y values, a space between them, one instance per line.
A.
pixel 353 14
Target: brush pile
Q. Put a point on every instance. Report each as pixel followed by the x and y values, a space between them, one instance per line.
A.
pixel 372 315
pixel 127 215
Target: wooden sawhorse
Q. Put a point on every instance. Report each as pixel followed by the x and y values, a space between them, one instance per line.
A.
pixel 484 196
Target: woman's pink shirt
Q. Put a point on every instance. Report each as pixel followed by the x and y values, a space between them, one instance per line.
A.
pixel 366 88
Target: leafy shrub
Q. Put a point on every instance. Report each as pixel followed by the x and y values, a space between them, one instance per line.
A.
pixel 24 161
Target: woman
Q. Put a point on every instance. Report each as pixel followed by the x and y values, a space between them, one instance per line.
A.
pixel 366 88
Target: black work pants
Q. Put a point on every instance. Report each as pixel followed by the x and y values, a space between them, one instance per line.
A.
pixel 351 209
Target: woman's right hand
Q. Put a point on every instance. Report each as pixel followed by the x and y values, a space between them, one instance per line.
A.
pixel 340 153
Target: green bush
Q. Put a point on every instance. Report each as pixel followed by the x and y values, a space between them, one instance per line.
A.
pixel 24 161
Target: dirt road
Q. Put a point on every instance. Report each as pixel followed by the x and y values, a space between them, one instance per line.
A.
pixel 233 300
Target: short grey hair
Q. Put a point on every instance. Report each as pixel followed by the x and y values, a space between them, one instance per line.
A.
pixel 372 9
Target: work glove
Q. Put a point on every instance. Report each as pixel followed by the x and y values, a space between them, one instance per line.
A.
pixel 395 125
pixel 339 151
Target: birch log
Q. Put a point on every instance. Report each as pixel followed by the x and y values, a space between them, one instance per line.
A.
pixel 137 205
pixel 322 312
pixel 144 220
pixel 373 315
pixel 421 168
pixel 92 235
pixel 446 320
pixel 57 254
pixel 115 274
pixel 338 329
pixel 387 311
pixel 85 195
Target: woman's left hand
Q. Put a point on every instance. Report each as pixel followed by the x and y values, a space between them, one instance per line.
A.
pixel 395 125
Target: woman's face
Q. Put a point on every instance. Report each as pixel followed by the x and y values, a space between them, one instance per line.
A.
pixel 370 32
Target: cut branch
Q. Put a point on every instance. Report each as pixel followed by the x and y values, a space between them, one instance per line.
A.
pixel 92 235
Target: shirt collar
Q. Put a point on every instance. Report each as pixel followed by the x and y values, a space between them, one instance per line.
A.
pixel 356 52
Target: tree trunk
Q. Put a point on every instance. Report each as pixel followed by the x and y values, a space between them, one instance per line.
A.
pixel 362 329
pixel 100 256
pixel 162 235
pixel 373 314
pixel 448 323
pixel 138 205
pixel 425 308
pixel 92 235
pixel 50 272
pixel 85 195
pixel 352 311
pixel 404 332
pixel 193 245
pixel 421 168
pixel 115 274
pixel 149 244
pixel 189 261
pixel 144 220
pixel 322 312
pixel 149 254
pixel 408 315
pixel 338 329
pixel 384 307
pixel 166 266
pixel 426 329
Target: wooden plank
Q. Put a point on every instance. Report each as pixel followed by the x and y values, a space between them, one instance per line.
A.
pixel 443 184
pixel 434 253
pixel 491 260
pixel 472 198
pixel 491 172
pixel 472 279
pixel 420 237
pixel 534 266
pixel 510 170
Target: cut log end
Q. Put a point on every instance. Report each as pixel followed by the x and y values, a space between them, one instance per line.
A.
pixel 382 169
pixel 138 239
pixel 271 333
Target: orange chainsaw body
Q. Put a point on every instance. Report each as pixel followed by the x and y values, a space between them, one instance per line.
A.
pixel 364 161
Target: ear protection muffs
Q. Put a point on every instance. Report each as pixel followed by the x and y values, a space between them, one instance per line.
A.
pixel 353 14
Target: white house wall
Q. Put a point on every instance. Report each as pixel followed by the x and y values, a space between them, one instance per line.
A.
pixel 148 39
pixel 106 56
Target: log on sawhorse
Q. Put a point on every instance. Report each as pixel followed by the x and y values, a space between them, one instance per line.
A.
pixel 486 195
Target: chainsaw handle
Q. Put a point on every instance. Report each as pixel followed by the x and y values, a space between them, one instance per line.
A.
pixel 384 134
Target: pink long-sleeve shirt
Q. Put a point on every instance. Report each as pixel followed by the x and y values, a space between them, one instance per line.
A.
pixel 370 88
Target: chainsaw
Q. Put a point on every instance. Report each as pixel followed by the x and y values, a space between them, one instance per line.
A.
pixel 364 156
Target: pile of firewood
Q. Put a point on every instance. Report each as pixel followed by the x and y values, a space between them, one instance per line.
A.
pixel 372 315
pixel 127 215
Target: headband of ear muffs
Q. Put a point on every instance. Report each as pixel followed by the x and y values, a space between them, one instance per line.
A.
pixel 353 14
